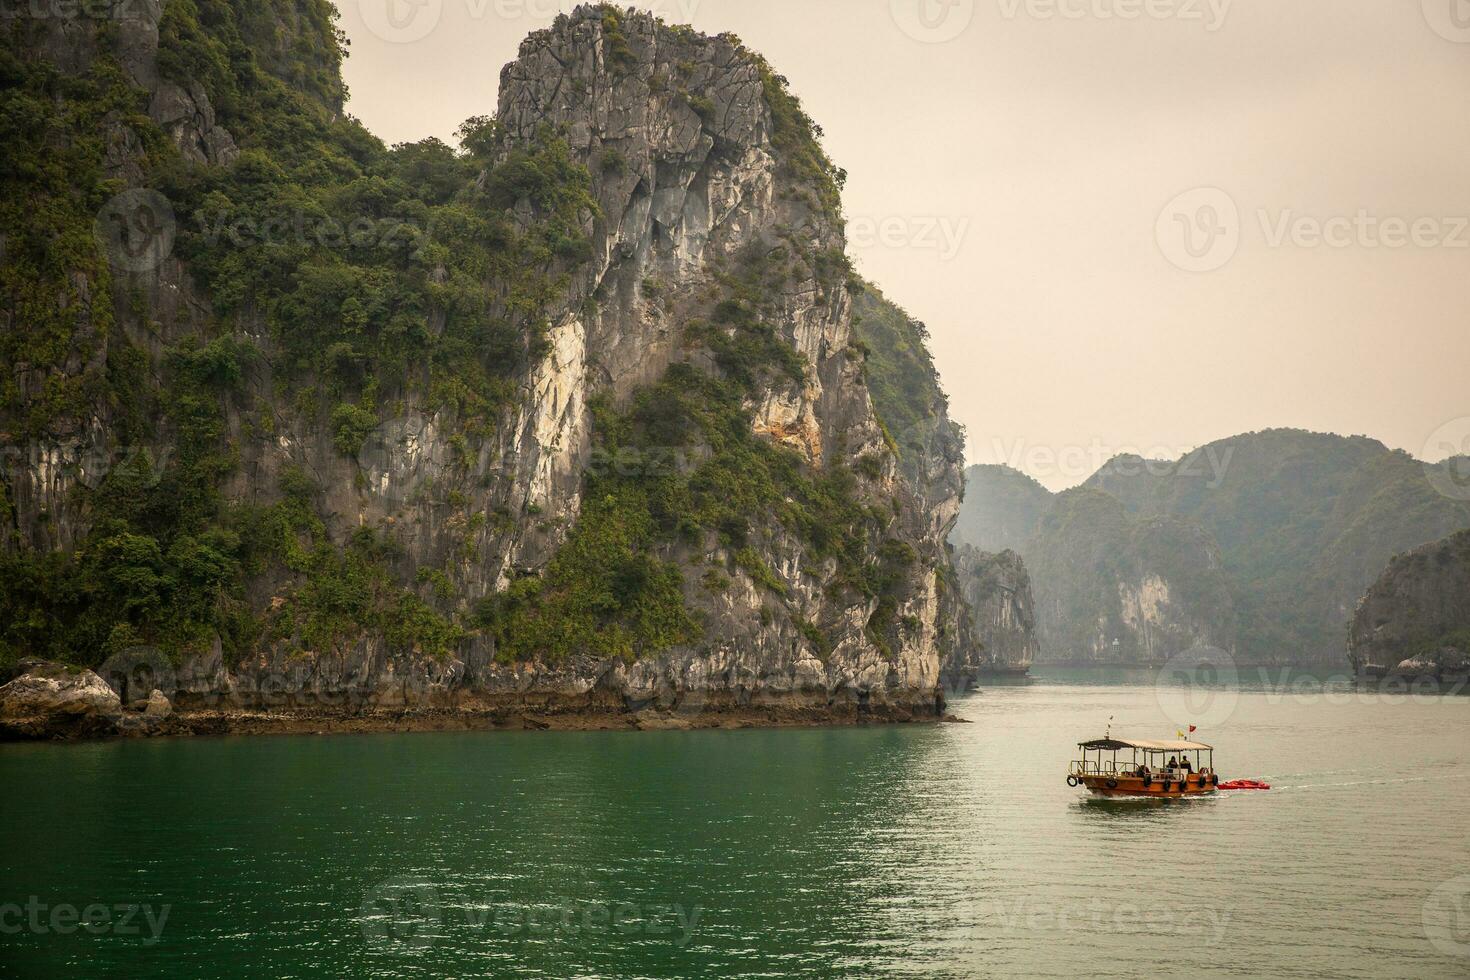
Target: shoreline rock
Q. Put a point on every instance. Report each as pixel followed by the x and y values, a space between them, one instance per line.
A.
pixel 471 711
pixel 49 700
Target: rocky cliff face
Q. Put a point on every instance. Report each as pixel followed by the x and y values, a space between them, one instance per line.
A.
pixel 1416 617
pixel 1305 522
pixel 1110 587
pixel 913 410
pixel 587 430
pixel 1299 524
pixel 997 589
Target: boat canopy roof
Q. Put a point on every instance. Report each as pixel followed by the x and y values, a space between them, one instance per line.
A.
pixel 1152 745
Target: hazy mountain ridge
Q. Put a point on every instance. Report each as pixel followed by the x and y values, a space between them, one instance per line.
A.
pixel 1303 523
pixel 1006 514
pixel 1111 588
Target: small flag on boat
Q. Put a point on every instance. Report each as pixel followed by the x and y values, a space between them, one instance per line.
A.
pixel 1191 729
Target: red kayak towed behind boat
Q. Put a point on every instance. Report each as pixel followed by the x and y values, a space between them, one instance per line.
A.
pixel 1245 784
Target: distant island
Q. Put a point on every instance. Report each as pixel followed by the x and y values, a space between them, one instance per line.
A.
pixel 1260 545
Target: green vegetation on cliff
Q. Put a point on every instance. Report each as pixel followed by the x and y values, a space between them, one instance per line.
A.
pixel 612 590
pixel 904 382
pixel 367 269
pixel 1113 587
pixel 328 281
pixel 1002 509
pixel 1304 523
pixel 1418 610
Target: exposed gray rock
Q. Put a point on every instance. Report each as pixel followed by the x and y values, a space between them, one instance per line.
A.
pixel 1416 617
pixel 1111 587
pixel 158 706
pixel 51 700
pixel 998 591
pixel 187 116
pixel 699 180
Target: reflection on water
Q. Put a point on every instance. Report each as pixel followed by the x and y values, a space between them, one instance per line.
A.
pixel 952 850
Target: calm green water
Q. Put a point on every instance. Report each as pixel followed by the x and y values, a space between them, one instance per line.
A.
pixel 952 850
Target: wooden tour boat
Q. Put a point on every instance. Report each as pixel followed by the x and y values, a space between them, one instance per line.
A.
pixel 1146 770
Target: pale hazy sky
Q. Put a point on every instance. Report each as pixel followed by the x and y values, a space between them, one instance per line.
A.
pixel 1013 173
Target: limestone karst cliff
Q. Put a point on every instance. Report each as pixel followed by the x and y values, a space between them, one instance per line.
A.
pixel 1305 522
pixel 569 417
pixel 997 589
pixel 1109 587
pixel 1416 618
pixel 1300 524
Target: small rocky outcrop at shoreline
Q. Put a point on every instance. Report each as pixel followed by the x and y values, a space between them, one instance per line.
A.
pixel 45 700
pixel 49 700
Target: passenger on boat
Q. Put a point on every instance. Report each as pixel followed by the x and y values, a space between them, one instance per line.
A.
pixel 1173 762
pixel 1186 766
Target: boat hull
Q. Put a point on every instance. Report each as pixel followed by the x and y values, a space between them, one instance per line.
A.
pixel 1157 788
